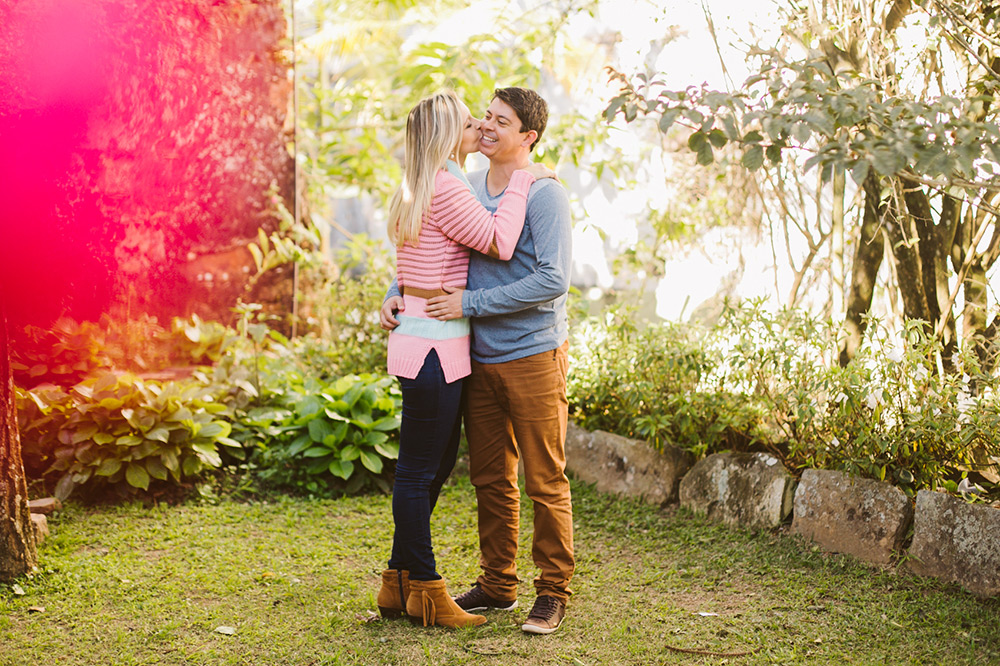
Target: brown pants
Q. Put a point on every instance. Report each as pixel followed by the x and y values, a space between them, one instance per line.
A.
pixel 511 409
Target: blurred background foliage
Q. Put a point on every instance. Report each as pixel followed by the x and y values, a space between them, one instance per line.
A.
pixel 271 366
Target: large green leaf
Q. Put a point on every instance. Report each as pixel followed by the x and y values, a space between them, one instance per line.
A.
pixel 156 468
pixel 342 469
pixel 375 438
pixel 207 453
pixel 388 449
pixel 753 158
pixel 137 476
pixel 371 461
pixel 109 467
pixel 387 423
pixel 215 429
pixel 308 406
pixel 319 429
pixel 191 465
pixel 299 444
pixel 159 434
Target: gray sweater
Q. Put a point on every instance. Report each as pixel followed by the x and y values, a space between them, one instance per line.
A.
pixel 518 307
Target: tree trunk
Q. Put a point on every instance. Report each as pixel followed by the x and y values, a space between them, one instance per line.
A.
pixel 867 260
pixel 919 209
pixel 17 536
pixel 933 250
pixel 837 245
pixel 904 242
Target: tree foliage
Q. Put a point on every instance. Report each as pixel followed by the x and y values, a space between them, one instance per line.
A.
pixel 918 137
pixel 363 66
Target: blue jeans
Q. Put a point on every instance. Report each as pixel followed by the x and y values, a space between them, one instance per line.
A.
pixel 428 445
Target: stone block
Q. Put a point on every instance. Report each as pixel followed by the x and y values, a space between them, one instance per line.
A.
pixel 957 542
pixel 844 514
pixel 626 466
pixel 46 505
pixel 746 489
pixel 41 525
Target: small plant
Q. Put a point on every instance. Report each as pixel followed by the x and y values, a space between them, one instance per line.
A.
pixel 62 355
pixel 333 438
pixel 193 341
pixel 118 431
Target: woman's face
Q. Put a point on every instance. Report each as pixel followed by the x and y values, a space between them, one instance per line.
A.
pixel 470 133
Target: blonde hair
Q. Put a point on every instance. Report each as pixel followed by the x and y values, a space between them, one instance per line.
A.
pixel 433 133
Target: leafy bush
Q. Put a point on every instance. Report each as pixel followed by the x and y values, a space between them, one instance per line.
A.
pixel 332 439
pixel 62 355
pixel 762 380
pixel 70 351
pixel 653 383
pixel 343 307
pixel 117 431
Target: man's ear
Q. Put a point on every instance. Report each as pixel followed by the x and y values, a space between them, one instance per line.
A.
pixel 529 138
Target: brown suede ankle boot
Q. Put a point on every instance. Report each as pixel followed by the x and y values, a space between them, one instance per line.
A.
pixel 430 603
pixel 395 589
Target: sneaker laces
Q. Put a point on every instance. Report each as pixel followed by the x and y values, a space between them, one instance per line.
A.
pixel 475 594
pixel 545 607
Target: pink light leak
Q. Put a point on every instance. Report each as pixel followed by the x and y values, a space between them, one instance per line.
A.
pixel 134 135
pixel 54 71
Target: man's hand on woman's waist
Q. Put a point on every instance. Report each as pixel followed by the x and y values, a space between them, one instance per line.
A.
pixel 445 307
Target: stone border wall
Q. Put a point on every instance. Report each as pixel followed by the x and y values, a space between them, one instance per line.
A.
pixel 953 540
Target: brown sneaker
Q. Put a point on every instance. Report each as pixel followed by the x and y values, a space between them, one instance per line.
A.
pixel 477 600
pixel 545 616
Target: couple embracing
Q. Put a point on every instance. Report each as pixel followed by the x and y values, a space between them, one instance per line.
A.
pixel 478 325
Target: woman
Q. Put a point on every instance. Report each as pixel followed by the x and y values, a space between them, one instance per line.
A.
pixel 434 220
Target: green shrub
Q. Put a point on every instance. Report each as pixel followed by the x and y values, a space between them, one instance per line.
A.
pixel 652 383
pixel 119 432
pixel 69 351
pixel 330 439
pixel 770 380
pixel 62 355
pixel 305 428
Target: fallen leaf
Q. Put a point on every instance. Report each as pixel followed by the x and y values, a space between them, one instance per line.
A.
pixel 18 590
pixel 703 614
pixel 367 616
pixel 228 631
pixel 36 609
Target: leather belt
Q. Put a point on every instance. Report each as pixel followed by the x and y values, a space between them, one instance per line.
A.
pixel 421 293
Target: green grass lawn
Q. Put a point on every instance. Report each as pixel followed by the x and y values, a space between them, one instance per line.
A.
pixel 297 579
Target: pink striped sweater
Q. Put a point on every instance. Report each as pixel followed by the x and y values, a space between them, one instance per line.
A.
pixel 454 223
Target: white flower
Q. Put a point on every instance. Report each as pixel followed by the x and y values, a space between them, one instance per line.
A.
pixel 968 488
pixel 834 442
pixel 841 397
pixel 874 399
pixel 894 355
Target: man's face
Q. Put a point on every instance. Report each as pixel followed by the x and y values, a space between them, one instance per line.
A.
pixel 502 135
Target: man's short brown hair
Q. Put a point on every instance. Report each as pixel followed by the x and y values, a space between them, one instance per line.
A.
pixel 529 106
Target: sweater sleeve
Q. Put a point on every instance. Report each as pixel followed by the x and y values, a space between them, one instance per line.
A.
pixel 463 219
pixel 552 235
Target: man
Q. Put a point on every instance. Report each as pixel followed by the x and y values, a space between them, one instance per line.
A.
pixel 516 403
